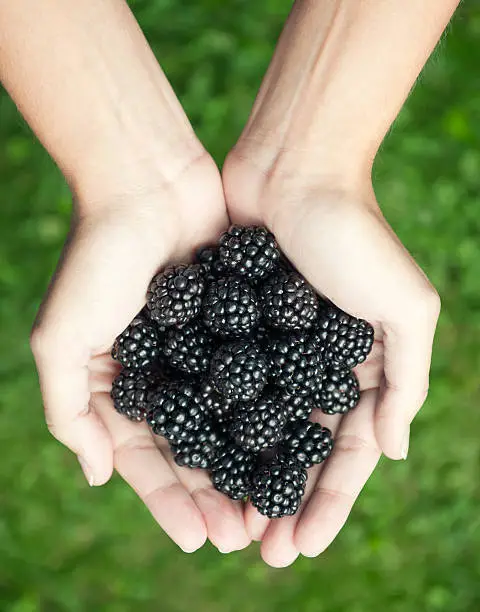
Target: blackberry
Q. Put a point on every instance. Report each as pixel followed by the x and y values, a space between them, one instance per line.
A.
pixel 174 296
pixel 232 471
pixel 239 370
pixel 258 425
pixel 189 348
pixel 214 404
pixel 288 301
pixel 175 411
pixel 297 407
pixel 308 443
pixel 130 391
pixel 230 307
pixel 138 345
pixel 295 363
pixel 278 487
pixel 340 392
pixel 249 251
pixel 198 451
pixel 347 340
pixel 210 263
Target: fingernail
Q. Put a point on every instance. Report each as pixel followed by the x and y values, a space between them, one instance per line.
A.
pixel 86 470
pixel 405 444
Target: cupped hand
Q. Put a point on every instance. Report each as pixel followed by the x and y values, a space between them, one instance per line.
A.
pixel 113 251
pixel 339 240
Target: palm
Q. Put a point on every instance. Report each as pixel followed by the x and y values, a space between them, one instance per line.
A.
pixel 109 264
pixel 336 245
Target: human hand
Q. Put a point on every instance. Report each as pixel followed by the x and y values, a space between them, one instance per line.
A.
pixel 114 249
pixel 337 237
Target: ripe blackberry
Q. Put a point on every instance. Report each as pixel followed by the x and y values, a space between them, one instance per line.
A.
pixel 230 307
pixel 175 411
pixel 340 392
pixel 232 471
pixel 239 370
pixel 278 487
pixel 198 451
pixel 174 296
pixel 288 301
pixel 210 263
pixel 297 407
pixel 216 406
pixel 130 391
pixel 189 348
pixel 347 340
pixel 295 363
pixel 258 424
pixel 308 443
pixel 249 251
pixel 138 345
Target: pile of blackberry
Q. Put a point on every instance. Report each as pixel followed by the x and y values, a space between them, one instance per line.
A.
pixel 227 362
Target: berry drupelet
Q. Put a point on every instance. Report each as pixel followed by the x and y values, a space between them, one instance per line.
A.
pixel 288 301
pixel 295 363
pixel 347 340
pixel 130 392
pixel 278 487
pixel 232 471
pixel 230 307
pixel 249 251
pixel 307 443
pixel 138 346
pixel 189 348
pixel 257 425
pixel 175 411
pixel 174 296
pixel 239 370
pixel 340 392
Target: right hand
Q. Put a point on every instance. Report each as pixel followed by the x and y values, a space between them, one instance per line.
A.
pixel 339 240
pixel 113 251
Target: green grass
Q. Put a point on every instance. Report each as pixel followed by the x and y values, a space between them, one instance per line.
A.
pixel 413 539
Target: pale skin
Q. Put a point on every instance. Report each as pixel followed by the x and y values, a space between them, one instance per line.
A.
pixel 90 87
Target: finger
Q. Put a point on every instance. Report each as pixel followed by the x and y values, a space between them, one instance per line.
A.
pixel 370 372
pixel 142 465
pixel 354 457
pixel 278 547
pixel 407 355
pixel 223 517
pixel 64 379
pixel 394 292
pixel 101 372
pixel 255 523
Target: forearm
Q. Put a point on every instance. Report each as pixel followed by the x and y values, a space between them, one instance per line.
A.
pixel 340 74
pixel 87 82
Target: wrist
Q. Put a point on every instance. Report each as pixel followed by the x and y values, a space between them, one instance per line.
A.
pixel 256 168
pixel 133 171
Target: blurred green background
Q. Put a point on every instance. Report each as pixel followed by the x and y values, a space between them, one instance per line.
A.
pixel 413 540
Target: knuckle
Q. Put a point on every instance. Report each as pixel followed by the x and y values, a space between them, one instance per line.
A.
pixel 54 431
pixel 40 341
pixel 139 444
pixel 429 304
pixel 352 443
